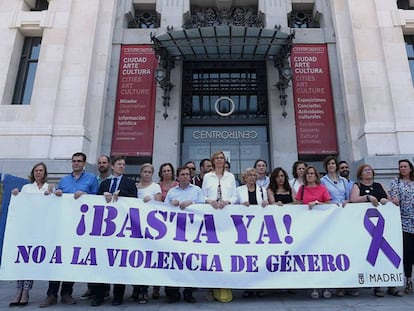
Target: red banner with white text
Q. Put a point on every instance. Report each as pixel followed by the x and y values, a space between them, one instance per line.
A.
pixel 133 131
pixel 314 113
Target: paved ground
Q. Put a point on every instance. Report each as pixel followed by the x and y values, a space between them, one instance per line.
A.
pixel 273 300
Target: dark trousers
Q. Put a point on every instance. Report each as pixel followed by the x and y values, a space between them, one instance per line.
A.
pixel 67 288
pixel 99 290
pixel 174 292
pixel 408 253
pixel 139 289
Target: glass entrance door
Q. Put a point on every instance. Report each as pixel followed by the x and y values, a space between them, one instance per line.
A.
pixel 225 108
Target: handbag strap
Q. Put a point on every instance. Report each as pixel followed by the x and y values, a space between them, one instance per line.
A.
pixel 301 195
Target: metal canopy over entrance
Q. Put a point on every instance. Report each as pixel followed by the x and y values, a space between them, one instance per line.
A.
pixel 225 89
pixel 222 43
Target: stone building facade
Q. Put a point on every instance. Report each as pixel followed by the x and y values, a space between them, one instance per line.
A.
pixel 70 101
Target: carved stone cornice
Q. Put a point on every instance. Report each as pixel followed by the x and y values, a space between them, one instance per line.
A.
pixel 239 16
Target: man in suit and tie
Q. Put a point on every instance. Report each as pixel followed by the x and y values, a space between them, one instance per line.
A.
pixel 118 185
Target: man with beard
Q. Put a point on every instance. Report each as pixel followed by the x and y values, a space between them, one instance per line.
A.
pixel 344 172
pixel 103 168
pixel 103 164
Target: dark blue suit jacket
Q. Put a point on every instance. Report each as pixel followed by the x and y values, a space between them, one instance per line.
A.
pixel 127 187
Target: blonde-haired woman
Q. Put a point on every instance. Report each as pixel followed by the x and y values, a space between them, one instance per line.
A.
pixel 219 186
pixel 250 193
pixel 219 189
pixel 147 191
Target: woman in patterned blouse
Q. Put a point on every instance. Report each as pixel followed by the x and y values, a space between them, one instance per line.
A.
pixel 402 194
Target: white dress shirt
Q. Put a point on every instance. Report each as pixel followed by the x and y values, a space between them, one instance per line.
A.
pixel 227 184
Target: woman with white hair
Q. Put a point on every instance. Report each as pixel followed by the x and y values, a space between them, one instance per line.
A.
pixel 250 193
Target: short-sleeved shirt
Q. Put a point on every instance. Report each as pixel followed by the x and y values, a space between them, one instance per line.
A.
pixel 150 191
pixel 87 182
pixel 308 194
pixel 33 188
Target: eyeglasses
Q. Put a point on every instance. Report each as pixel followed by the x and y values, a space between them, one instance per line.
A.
pixel 77 161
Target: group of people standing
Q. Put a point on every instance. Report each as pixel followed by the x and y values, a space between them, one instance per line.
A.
pixel 217 186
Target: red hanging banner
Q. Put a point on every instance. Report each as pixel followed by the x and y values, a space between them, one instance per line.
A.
pixel 314 114
pixel 133 131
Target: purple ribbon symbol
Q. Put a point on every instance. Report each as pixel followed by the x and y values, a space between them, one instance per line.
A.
pixel 378 241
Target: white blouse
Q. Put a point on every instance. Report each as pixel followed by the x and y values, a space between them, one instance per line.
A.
pixel 227 185
pixel 150 191
pixel 33 188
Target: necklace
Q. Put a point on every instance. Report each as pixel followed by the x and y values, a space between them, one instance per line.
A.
pixel 370 188
pixel 334 179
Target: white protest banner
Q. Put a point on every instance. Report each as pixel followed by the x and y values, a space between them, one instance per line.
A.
pixel 131 242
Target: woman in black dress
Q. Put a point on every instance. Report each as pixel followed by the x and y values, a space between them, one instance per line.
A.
pixel 367 190
pixel 279 191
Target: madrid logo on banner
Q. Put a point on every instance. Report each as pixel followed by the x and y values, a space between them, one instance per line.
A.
pixel 132 242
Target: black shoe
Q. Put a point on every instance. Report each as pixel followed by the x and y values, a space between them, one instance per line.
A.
pixel 14 304
pixel 133 298
pixel 106 294
pixel 116 302
pixel 173 299
pixel 143 298
pixel 394 292
pixel 189 298
pixel 96 302
pixel 408 287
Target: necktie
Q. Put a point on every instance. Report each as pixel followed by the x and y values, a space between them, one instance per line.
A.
pixel 114 184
